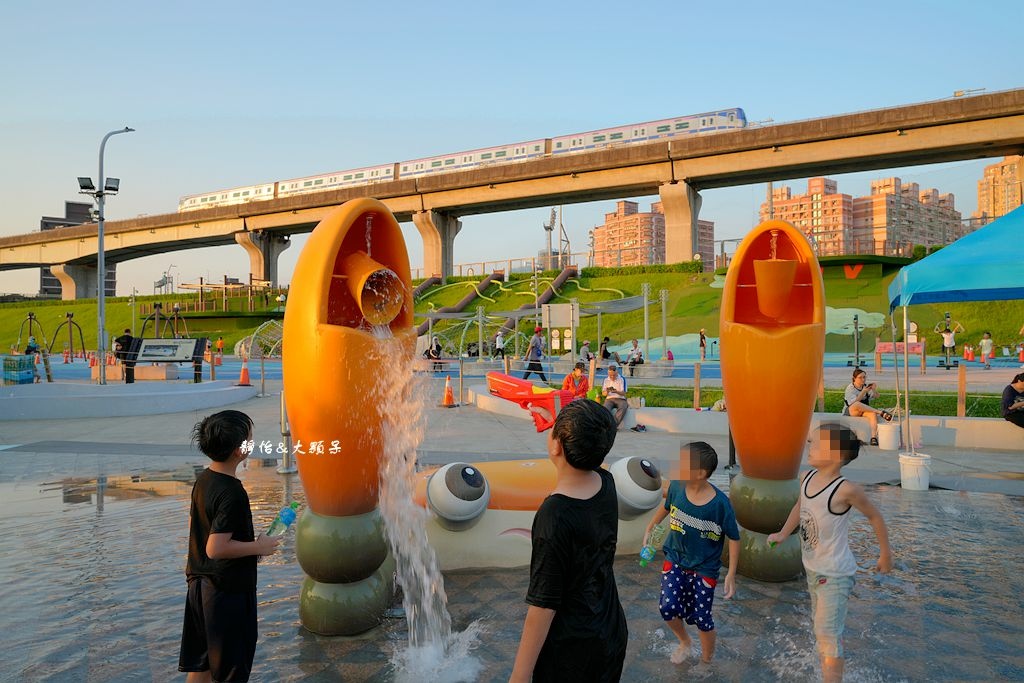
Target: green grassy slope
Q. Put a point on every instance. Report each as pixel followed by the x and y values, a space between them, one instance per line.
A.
pixel 693 303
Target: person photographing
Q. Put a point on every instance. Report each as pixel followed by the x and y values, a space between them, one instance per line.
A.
pixel 857 402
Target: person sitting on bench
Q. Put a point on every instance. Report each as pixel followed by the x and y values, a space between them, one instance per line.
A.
pixel 857 400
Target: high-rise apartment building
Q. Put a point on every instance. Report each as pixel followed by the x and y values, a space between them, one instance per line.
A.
pixel 75 213
pixel 823 214
pixel 631 238
pixel 889 221
pixel 1000 190
pixel 897 215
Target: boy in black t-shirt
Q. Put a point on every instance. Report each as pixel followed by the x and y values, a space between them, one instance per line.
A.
pixel 218 639
pixel 575 629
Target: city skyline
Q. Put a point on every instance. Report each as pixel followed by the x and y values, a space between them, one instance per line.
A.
pixel 285 102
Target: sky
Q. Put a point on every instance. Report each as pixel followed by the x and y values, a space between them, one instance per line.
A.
pixel 226 94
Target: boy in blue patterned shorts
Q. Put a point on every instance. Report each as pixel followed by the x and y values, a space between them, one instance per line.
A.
pixel 701 517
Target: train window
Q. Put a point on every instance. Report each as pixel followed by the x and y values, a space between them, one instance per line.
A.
pixel 308 183
pixel 435 164
pixel 318 181
pixel 615 136
pixel 536 148
pixel 373 173
pixel 404 169
pixel 682 126
pixel 347 177
pixel 203 199
pixel 599 138
pixel 449 162
pixel 664 129
pixel 732 117
pixel 245 194
pixel 234 195
pixel 360 175
pixel 558 145
pixel 500 154
pixel 485 155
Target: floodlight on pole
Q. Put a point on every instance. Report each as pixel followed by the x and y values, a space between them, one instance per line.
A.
pixel 108 186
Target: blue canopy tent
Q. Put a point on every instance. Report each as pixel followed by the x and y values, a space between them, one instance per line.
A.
pixel 986 265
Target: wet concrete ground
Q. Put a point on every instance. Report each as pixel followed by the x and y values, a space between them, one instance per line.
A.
pixel 94 591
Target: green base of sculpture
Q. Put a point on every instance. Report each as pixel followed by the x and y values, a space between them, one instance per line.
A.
pixel 350 572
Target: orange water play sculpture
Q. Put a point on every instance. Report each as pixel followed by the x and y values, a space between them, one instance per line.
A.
pixel 349 291
pixel 772 351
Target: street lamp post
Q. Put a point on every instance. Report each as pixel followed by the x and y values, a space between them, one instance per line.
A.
pixel 103 187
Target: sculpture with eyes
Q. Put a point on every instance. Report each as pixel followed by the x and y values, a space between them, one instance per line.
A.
pixel 481 513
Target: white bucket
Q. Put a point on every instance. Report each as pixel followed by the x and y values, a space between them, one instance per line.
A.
pixel 889 437
pixel 914 471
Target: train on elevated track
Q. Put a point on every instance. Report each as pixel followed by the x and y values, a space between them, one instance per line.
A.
pixel 696 124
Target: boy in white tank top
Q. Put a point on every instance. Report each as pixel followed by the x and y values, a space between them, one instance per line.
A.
pixel 821 513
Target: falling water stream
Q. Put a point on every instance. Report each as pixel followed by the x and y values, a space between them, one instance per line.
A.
pixel 434 653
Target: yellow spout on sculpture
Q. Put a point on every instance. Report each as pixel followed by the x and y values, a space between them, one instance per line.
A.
pixel 375 288
pixel 774 283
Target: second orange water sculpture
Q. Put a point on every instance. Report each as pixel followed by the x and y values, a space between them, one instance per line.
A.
pixel 772 351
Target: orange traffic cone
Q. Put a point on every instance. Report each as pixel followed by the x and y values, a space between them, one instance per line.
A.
pixel 449 396
pixel 67 356
pixel 1020 356
pixel 967 351
pixel 92 360
pixel 243 377
pixel 37 355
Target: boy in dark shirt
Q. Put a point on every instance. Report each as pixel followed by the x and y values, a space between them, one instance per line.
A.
pixel 701 519
pixel 218 639
pixel 575 629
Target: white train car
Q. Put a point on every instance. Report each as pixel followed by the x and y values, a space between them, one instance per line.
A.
pixel 652 130
pixel 336 179
pixel 236 195
pixel 707 122
pixel 517 151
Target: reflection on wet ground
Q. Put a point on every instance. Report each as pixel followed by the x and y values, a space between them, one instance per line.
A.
pixel 95 590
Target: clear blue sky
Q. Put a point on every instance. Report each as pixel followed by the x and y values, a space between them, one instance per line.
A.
pixel 225 94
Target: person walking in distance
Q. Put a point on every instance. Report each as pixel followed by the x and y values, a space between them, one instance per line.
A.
pixel 499 345
pixel 535 354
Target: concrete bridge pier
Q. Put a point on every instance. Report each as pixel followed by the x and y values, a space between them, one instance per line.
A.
pixel 75 281
pixel 263 248
pixel 438 230
pixel 682 206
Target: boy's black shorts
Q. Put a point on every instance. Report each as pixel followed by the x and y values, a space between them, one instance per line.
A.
pixel 219 633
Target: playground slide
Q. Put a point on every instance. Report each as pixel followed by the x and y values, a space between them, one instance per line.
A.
pixel 463 302
pixel 425 285
pixel 510 324
pixel 542 402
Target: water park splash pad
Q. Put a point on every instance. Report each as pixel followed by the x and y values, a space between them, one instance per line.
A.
pixel 773 344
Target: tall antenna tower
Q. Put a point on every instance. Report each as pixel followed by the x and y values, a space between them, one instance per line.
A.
pixel 549 228
pixel 564 249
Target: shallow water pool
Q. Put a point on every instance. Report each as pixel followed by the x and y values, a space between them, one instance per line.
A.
pixel 94 551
